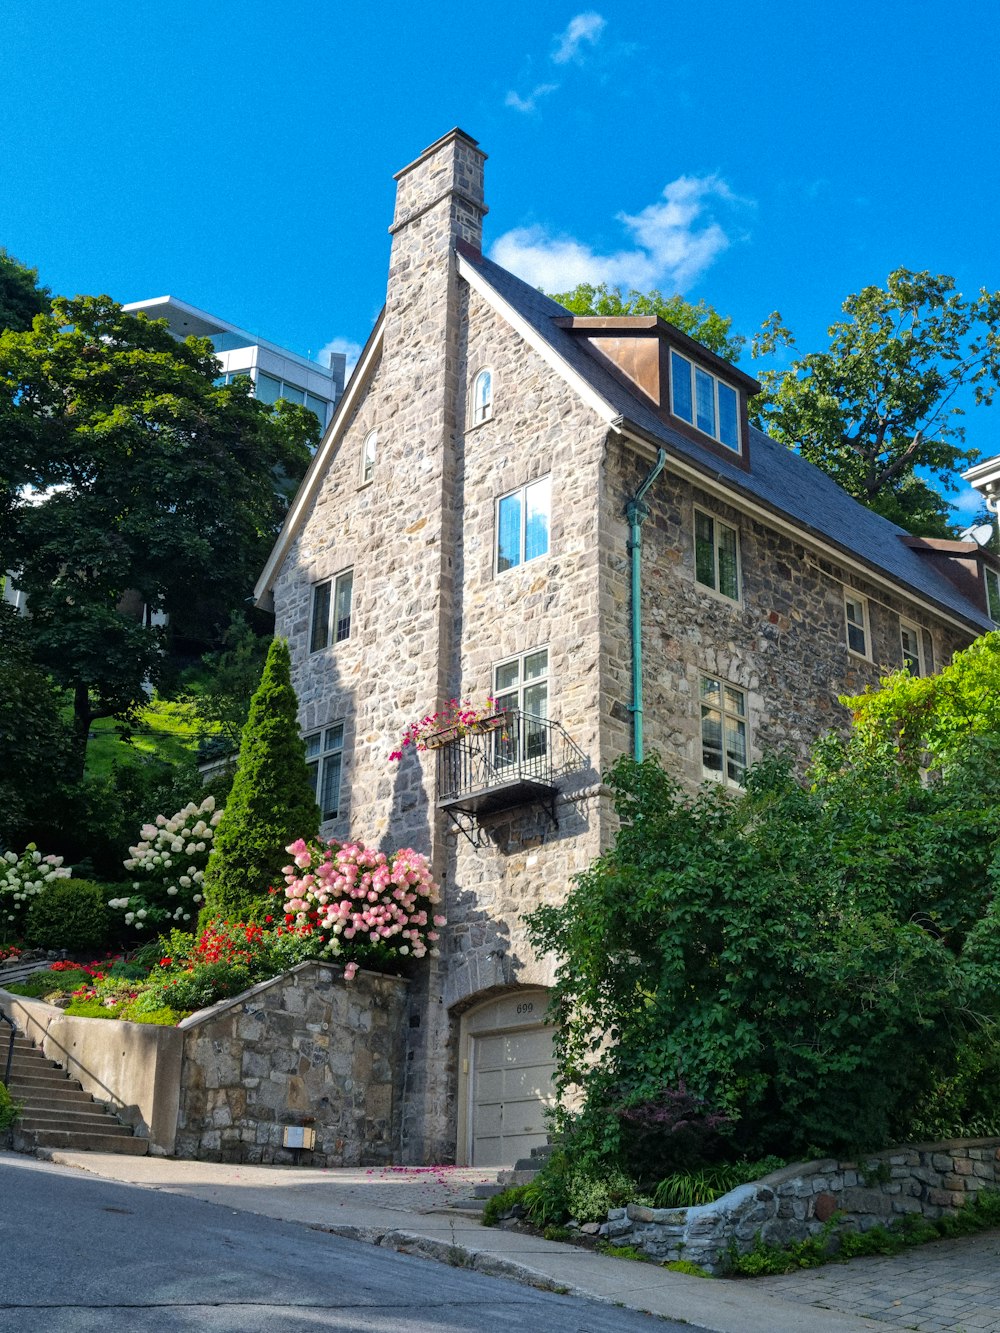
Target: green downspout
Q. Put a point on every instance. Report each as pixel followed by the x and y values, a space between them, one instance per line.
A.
pixel 636 512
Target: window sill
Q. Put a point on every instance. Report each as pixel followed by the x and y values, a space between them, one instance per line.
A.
pixel 735 603
pixel 478 425
pixel 861 657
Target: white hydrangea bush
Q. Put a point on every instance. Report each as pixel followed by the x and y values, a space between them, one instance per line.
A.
pixel 169 865
pixel 22 877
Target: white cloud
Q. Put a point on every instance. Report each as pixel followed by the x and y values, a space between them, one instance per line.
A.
pixel 350 349
pixel 580 29
pixel 675 241
pixel 526 104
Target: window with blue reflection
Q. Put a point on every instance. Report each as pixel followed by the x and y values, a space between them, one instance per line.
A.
pixel 680 387
pixel 523 521
pixel 509 531
pixel 729 428
pixel 705 396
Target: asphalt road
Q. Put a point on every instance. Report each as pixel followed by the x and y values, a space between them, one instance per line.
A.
pixel 78 1253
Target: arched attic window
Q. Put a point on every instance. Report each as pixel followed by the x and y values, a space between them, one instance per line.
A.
pixel 369 449
pixel 482 397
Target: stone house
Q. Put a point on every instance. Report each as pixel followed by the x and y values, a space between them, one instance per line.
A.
pixel 573 516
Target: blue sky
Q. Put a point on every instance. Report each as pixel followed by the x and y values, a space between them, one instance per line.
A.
pixel 758 155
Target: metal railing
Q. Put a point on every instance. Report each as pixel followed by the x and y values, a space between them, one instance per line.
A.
pixel 10 1048
pixel 510 750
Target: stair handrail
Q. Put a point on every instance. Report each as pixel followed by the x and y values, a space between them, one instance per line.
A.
pixel 10 1049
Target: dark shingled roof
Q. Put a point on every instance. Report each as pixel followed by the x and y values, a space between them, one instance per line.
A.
pixel 778 479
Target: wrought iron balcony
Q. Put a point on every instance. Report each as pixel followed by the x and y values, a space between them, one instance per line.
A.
pixel 501 762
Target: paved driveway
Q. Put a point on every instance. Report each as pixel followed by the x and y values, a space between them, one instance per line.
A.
pixel 949 1285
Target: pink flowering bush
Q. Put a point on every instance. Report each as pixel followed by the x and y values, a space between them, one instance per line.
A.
pixel 458 715
pixel 360 905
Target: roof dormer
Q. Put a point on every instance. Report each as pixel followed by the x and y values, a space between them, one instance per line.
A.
pixel 696 392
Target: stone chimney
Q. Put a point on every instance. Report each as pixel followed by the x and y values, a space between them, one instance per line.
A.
pixel 450 173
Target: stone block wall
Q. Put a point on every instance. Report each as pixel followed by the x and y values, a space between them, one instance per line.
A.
pixel 783 644
pixel 796 1203
pixel 307 1047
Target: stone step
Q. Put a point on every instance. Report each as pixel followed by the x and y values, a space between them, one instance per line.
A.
pixel 515 1177
pixel 46 1099
pixel 37 1075
pixel 485 1192
pixel 57 1113
pixel 72 1141
pixel 96 1119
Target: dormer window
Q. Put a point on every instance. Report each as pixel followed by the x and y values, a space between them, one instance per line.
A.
pixel 482 397
pixel 992 593
pixel 704 401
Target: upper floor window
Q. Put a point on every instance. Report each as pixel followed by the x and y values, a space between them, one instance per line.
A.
pixel 704 401
pixel 523 524
pixel 992 593
pixel 723 730
pixel 716 555
pixel 482 397
pixel 909 641
pixel 269 389
pixel 331 611
pixel 369 449
pixel 856 611
pixel 325 762
pixel 522 684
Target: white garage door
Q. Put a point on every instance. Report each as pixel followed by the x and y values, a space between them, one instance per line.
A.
pixel 512 1076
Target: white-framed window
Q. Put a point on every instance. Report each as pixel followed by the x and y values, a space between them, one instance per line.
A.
pixel 522 684
pixel 723 730
pixel 331 611
pixel 911 648
pixel 369 450
pixel 704 401
pixel 992 579
pixel 716 555
pixel 858 631
pixel 482 397
pixel 522 524
pixel 325 762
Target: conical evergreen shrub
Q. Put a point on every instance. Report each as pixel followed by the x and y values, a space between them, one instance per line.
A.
pixel 270 805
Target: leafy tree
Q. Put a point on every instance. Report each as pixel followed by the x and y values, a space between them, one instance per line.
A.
pixel 929 720
pixel 33 736
pixel 154 491
pixel 803 959
pixel 21 298
pixel 699 321
pixel 230 676
pixel 271 803
pixel 879 410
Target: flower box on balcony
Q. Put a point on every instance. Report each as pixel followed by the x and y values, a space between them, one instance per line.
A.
pixel 480 727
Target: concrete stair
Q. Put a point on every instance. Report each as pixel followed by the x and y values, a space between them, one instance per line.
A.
pixel 522 1172
pixel 56 1112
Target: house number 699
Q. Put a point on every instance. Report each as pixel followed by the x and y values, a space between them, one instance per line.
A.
pixel 526 1008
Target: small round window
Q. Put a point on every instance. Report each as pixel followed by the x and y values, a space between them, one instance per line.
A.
pixel 482 397
pixel 368 451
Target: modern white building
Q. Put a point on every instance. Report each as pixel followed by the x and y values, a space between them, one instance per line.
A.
pixel 275 371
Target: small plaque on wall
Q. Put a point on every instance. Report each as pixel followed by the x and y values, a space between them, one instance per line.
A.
pixel 298 1136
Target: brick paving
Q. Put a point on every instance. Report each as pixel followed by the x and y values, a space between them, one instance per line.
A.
pixel 948 1286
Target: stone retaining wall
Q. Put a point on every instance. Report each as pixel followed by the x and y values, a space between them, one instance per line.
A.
pixel 794 1203
pixel 307 1047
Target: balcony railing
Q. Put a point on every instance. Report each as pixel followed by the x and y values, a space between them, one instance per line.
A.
pixel 505 761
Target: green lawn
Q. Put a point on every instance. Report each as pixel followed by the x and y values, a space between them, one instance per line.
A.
pixel 165 729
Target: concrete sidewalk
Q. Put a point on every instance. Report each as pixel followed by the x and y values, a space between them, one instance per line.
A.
pixel 413 1209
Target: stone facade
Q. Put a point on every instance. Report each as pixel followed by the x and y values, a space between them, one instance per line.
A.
pixel 795 1203
pixel 305 1048
pixel 431 618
